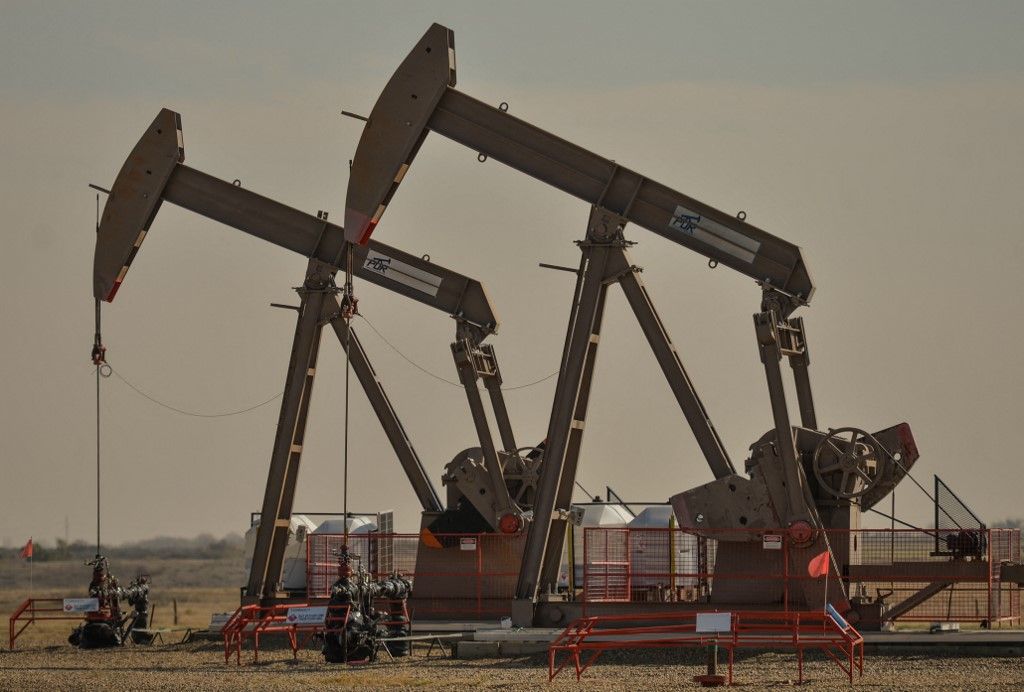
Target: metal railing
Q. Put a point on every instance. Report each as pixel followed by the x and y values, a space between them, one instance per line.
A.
pixel 900 567
pixel 453 575
pixel 33 609
pixel 824 631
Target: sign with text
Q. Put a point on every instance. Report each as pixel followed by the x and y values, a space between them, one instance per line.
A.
pixel 81 605
pixel 714 622
pixel 771 541
pixel 312 615
pixel 467 544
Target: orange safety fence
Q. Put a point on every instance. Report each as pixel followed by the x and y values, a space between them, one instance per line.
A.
pixel 473 576
pixel 796 630
pixel 32 609
pixel 901 566
pixel 453 575
pixel 253 621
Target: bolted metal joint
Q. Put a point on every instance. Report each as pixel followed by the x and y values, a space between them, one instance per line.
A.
pixel 605 226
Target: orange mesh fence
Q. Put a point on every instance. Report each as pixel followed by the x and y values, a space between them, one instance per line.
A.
pixel 901 567
pixel 453 575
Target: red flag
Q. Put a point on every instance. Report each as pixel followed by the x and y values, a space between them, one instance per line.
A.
pixel 26 552
pixel 818 566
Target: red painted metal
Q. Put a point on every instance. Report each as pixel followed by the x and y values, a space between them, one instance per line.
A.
pixel 487 583
pixel 674 565
pixel 33 609
pixel 253 621
pixel 798 631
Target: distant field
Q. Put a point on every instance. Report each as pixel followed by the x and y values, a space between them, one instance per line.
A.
pixel 201 587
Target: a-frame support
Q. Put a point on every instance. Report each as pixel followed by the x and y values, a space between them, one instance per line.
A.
pixel 604 261
pixel 319 306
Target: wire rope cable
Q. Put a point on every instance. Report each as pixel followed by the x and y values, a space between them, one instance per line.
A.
pixel 425 371
pixel 185 412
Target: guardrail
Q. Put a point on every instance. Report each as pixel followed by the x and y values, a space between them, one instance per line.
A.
pixel 799 631
pixel 32 609
pixel 253 621
pixel 899 566
pixel 465 575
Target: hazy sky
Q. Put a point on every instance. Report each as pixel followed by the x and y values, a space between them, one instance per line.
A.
pixel 883 138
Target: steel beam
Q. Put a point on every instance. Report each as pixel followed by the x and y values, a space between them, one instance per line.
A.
pixel 275 516
pixel 379 264
pixel 462 352
pixel 567 482
pixel 766 329
pixel 668 358
pixel 154 172
pixel 563 415
pixel 493 384
pixel 800 362
pixel 378 398
pixel 420 97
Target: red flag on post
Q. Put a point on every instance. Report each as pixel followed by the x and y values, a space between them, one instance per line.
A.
pixel 26 552
pixel 818 566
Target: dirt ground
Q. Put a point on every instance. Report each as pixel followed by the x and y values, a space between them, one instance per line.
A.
pixel 201 666
pixel 42 660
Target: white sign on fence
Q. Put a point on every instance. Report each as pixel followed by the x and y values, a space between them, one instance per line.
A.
pixel 714 622
pixel 312 615
pixel 81 605
pixel 771 541
pixel 467 544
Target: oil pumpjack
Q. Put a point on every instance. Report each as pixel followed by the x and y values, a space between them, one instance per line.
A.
pixel 799 478
pixel 489 487
pixel 802 480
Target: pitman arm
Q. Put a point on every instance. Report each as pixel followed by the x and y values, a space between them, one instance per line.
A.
pixel 421 97
pixel 154 172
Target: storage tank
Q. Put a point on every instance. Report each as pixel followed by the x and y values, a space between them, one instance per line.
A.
pixel 293 572
pixel 359 528
pixel 604 514
pixel 657 555
pixel 359 523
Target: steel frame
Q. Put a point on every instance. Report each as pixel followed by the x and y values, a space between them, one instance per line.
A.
pixel 749 629
pixel 155 172
pixel 604 261
pixel 29 612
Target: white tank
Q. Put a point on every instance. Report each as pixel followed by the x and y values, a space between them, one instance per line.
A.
pixel 657 556
pixel 293 572
pixel 356 524
pixel 605 514
pixel 360 526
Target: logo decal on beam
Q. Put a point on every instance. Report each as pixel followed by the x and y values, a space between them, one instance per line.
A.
pixel 714 234
pixel 402 273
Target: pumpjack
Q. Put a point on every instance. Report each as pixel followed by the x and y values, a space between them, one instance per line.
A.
pixel 798 477
pixel 489 487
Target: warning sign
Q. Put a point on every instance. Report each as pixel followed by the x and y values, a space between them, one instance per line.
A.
pixel 771 541
pixel 467 544
pixel 81 605
pixel 314 615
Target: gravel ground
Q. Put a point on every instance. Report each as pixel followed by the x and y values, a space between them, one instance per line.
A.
pixel 201 667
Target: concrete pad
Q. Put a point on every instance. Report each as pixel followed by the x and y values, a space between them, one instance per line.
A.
pixel 470 649
pixel 523 648
pixel 522 634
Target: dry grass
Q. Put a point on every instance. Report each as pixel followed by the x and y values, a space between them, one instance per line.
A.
pixel 198 586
